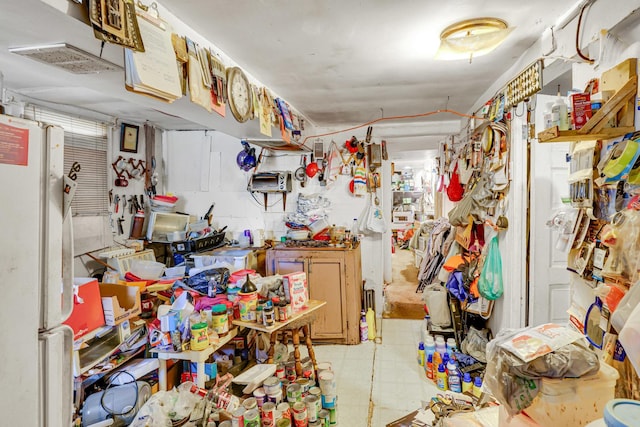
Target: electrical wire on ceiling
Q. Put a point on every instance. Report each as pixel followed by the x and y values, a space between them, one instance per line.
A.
pixel 580 54
pixel 391 118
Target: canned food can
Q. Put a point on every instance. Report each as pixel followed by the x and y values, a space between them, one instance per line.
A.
pixel 252 418
pixel 324 417
pixel 271 385
pixel 315 391
pixel 333 416
pixel 312 408
pixel 237 417
pixel 275 398
pixel 294 393
pixel 327 383
pixel 268 411
pixel 250 403
pixel 328 402
pixel 267 423
pixel 285 383
pixel 316 423
pixel 300 414
pixel 283 423
pixel 325 366
pixel 285 410
pixel 280 372
pixel 259 395
pixel 304 385
pixel 226 423
pixel 290 371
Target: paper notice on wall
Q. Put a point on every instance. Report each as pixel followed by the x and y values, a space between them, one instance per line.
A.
pixel 537 341
pixel 14 145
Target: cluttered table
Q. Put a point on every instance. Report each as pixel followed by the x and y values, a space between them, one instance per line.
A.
pixel 199 357
pixel 298 322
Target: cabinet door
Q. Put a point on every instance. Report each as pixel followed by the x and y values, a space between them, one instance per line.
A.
pixel 326 283
pixel 287 264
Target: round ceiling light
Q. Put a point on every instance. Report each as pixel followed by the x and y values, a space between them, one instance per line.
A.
pixel 472 37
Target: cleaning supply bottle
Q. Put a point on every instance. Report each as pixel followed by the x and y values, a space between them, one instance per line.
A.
pixel 451 346
pixel 467 383
pixel 559 112
pixel 477 387
pixel 441 346
pixel 426 327
pixel 441 378
pixel 371 324
pixel 453 376
pixel 364 329
pixel 421 353
pixel 428 367
pixel 445 361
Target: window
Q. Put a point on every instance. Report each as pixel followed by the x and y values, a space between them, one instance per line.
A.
pixel 86 142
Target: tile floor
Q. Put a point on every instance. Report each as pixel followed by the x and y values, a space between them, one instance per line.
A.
pixel 379 383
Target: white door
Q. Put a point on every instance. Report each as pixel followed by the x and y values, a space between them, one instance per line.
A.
pixel 549 296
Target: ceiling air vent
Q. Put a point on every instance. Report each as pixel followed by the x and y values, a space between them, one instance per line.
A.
pixel 67 57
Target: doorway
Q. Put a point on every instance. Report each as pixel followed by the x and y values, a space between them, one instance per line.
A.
pixel 412 189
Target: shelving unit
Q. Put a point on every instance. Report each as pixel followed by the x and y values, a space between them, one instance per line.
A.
pixel 623 80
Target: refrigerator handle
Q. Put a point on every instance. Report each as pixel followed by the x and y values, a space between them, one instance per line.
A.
pixel 67 267
pixel 67 404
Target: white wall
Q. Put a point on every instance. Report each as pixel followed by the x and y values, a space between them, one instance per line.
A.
pixel 200 168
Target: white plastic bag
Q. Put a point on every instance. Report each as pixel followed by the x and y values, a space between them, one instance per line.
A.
pixel 435 298
pixel 375 220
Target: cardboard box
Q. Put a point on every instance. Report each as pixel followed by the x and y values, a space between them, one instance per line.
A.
pixel 580 109
pixel 295 284
pixel 87 314
pixel 119 302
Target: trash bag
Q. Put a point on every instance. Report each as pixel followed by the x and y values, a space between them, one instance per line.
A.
pixel 475 344
pixel 217 277
pixel 515 382
pixel 490 283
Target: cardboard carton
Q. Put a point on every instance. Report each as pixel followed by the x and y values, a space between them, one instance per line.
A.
pixel 295 285
pixel 87 311
pixel 119 302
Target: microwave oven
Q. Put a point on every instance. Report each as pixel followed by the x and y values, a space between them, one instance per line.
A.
pixel 161 223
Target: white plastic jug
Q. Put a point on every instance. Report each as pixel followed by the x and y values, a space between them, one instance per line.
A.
pixel 630 338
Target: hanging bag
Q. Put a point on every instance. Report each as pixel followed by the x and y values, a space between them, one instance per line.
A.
pixel 435 298
pixel 455 191
pixel 490 283
pixel 375 221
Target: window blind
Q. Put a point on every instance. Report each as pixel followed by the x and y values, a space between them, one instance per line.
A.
pixel 85 142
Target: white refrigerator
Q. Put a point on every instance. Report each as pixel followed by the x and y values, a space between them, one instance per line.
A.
pixel 36 278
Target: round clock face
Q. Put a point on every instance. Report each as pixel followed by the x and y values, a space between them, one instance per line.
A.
pixel 239 95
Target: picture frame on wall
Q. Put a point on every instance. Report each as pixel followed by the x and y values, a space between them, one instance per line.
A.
pixel 129 138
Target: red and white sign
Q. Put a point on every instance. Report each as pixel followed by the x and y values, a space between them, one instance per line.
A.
pixel 14 145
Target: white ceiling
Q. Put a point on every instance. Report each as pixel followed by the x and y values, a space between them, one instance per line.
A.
pixel 339 62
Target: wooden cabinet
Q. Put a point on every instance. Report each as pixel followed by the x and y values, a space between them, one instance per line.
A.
pixel 335 276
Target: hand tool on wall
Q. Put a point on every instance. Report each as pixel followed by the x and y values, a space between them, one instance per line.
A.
pixel 120 228
pixel 116 202
pixel 209 215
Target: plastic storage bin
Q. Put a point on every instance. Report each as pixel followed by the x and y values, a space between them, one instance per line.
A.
pixel 573 401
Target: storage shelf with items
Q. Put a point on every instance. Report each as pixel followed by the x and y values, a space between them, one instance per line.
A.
pixel 619 109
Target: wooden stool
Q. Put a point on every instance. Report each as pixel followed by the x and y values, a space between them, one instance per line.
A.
pixel 296 328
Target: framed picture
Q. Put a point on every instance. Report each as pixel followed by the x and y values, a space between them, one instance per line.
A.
pixel 129 138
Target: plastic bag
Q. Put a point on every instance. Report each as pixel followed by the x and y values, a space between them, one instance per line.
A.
pixel 435 298
pixel 515 383
pixel 490 283
pixel 375 220
pixel 475 344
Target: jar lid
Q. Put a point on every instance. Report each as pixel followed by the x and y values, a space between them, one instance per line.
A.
pixel 201 325
pixel 622 412
pixel 219 309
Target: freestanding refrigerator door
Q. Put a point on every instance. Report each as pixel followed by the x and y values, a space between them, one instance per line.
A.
pixel 56 378
pixel 56 236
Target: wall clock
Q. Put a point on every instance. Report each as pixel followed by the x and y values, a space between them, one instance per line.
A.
pixel 239 93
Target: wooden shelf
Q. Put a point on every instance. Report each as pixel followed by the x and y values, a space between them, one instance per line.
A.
pixel 622 80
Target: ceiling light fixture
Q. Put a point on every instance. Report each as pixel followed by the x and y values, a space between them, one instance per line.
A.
pixel 471 38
